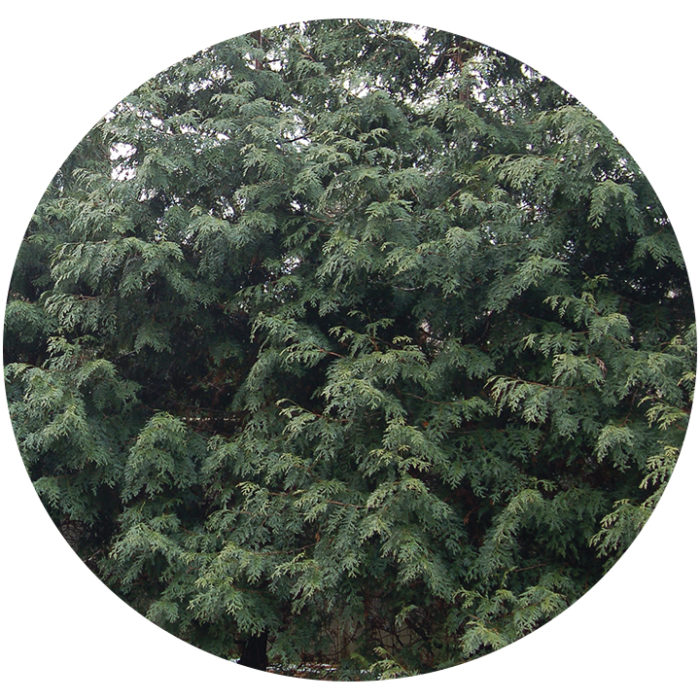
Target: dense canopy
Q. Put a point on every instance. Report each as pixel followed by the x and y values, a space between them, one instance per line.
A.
pixel 349 348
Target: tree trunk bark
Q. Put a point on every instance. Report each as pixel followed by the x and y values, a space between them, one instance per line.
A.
pixel 254 652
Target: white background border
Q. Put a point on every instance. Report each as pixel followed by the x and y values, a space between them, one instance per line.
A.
pixel 64 635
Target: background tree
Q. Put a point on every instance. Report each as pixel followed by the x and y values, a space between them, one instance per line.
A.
pixel 349 341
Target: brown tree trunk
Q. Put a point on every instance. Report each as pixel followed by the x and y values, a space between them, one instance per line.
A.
pixel 258 36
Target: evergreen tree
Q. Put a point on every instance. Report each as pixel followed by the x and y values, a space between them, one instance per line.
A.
pixel 349 343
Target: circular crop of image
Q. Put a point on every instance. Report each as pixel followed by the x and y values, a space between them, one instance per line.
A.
pixel 349 349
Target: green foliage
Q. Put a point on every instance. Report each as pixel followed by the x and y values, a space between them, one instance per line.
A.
pixel 364 342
